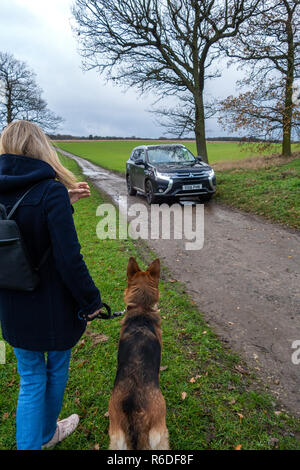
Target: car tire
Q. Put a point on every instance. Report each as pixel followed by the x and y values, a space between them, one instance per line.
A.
pixel 131 191
pixel 151 198
pixel 205 198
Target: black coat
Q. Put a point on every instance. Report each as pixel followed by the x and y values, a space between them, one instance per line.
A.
pixel 47 318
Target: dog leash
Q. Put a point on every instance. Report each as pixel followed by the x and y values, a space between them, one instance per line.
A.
pixel 103 316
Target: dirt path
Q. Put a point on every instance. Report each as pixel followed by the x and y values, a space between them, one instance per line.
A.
pixel 245 279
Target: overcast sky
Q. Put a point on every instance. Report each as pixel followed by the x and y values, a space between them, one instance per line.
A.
pixel 39 33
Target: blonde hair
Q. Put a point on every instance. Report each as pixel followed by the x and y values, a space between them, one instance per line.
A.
pixel 26 138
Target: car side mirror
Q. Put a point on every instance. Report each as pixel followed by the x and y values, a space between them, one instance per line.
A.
pixel 199 158
pixel 139 161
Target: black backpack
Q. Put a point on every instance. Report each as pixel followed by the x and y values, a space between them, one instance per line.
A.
pixel 16 270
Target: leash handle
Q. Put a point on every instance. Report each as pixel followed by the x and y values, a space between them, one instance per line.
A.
pixel 103 316
pixel 109 315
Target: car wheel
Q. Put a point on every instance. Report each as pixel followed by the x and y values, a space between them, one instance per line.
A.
pixel 205 198
pixel 151 198
pixel 131 191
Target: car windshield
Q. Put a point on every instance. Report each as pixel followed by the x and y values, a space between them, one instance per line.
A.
pixel 170 155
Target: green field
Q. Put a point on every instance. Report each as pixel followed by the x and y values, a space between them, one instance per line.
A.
pixel 225 406
pixel 114 154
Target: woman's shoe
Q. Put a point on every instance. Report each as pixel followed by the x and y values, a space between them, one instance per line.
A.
pixel 64 428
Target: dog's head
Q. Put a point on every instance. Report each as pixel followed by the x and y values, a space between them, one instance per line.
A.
pixel 142 289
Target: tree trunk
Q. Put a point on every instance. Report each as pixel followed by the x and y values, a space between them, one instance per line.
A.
pixel 287 116
pixel 200 126
pixel 288 102
pixel 286 140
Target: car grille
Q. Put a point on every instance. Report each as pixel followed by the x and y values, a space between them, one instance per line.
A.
pixel 191 175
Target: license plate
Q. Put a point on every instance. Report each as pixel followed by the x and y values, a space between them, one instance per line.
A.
pixel 189 187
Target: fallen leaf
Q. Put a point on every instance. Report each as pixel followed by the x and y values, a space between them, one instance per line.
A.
pixel 204 332
pixel 106 415
pixel 183 395
pixel 240 369
pixel 162 368
pixel 238 447
pixel 172 280
pixel 192 380
pixel 97 447
pixel 81 364
pixel 5 415
pixel 273 441
pixel 240 416
pixel 10 384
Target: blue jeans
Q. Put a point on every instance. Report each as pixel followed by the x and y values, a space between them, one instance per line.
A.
pixel 42 386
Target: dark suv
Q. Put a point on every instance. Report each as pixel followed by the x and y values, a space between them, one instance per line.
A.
pixel 168 171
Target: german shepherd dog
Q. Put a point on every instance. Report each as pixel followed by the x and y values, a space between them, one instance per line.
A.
pixel 137 409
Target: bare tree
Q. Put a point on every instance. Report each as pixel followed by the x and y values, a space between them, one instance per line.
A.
pixel 269 47
pixel 167 46
pixel 21 97
pixel 260 112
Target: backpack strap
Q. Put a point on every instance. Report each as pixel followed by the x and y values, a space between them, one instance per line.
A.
pixel 13 210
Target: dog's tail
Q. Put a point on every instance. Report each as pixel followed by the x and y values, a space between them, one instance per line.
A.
pixel 138 424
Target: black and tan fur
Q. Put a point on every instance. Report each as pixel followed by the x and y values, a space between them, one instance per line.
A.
pixel 137 409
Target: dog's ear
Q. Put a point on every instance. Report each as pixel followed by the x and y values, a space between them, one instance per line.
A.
pixel 132 268
pixel 154 269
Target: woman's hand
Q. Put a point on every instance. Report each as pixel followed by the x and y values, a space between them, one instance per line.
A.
pixel 93 315
pixel 80 191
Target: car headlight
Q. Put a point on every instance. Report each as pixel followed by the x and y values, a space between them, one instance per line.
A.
pixel 212 179
pixel 163 176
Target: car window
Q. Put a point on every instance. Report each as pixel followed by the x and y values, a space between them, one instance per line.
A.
pixel 170 155
pixel 142 155
pixel 135 154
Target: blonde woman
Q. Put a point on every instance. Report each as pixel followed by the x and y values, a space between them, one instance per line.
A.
pixel 43 325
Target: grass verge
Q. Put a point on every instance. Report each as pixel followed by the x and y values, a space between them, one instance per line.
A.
pixel 271 189
pixel 225 406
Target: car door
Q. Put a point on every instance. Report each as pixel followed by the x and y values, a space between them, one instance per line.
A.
pixel 133 166
pixel 140 170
